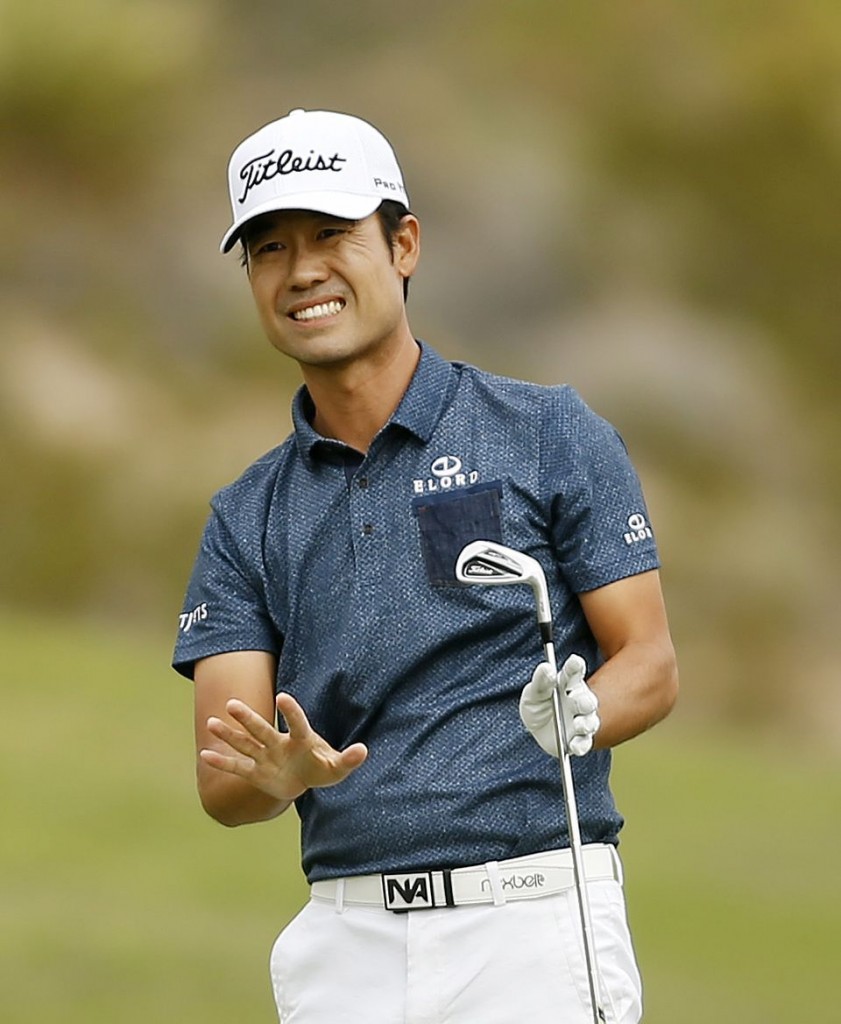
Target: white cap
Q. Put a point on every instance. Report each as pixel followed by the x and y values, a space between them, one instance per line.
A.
pixel 312 160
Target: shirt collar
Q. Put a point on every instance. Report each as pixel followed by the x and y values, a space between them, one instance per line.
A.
pixel 421 407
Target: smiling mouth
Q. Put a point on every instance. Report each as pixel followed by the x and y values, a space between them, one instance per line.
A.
pixel 319 311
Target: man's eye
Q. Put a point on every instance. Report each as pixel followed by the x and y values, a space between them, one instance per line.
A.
pixel 264 249
pixel 330 232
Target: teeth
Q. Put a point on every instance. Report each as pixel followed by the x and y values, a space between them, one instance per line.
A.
pixel 322 309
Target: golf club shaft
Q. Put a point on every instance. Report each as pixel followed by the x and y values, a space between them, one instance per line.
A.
pixel 492 564
pixel 575 843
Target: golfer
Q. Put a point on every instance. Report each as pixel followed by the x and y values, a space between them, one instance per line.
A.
pixel 340 665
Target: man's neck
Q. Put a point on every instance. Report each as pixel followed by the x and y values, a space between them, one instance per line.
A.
pixel 353 403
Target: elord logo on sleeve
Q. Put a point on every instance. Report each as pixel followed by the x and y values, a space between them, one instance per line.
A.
pixel 638 529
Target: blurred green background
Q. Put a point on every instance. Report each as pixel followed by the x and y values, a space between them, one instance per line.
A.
pixel 639 198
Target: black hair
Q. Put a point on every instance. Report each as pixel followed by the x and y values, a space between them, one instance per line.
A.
pixel 390 214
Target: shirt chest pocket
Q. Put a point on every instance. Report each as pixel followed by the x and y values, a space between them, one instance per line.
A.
pixel 449 521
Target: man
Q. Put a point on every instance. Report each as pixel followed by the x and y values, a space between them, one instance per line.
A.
pixel 324 592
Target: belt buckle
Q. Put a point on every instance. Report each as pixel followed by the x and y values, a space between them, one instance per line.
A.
pixel 404 891
pixel 408 890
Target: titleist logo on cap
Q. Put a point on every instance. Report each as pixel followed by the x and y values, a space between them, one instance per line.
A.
pixel 317 160
pixel 267 166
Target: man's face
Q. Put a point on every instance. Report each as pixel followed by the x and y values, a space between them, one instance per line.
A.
pixel 329 290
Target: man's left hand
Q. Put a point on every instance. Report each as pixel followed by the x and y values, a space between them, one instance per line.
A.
pixel 579 706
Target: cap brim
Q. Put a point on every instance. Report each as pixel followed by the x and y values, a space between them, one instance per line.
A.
pixel 335 204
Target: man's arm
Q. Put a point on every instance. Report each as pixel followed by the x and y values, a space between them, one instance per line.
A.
pixel 247 676
pixel 637 685
pixel 246 769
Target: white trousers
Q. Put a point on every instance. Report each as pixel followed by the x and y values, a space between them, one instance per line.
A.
pixel 486 964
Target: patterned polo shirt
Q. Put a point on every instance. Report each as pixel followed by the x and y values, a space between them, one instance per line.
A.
pixel 344 570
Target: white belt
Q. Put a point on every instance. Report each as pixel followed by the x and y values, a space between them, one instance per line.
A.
pixel 538 874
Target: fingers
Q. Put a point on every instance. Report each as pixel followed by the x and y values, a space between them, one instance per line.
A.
pixel 237 742
pixel 581 742
pixel 578 707
pixel 258 734
pixel 581 701
pixel 580 745
pixel 572 672
pixel 582 728
pixel 257 726
pixel 586 725
pixel 242 766
pixel 240 741
pixel 542 682
pixel 251 742
pixel 570 677
pixel 300 729
pixel 352 757
pixel 293 714
pixel 282 764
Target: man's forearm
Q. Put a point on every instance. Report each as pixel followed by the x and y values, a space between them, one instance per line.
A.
pixel 232 801
pixel 636 688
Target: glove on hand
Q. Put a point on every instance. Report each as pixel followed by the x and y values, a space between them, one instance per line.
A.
pixel 578 705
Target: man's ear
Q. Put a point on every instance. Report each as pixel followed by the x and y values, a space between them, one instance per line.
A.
pixel 406 245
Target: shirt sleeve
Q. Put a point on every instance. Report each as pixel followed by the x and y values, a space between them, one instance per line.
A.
pixel 224 609
pixel 598 516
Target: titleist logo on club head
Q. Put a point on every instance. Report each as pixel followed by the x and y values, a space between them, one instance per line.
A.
pixel 482 569
pixel 267 166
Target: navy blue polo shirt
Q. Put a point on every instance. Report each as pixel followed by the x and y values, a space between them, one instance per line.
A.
pixel 345 571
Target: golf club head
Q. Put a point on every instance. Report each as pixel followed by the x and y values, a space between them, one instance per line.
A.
pixel 492 564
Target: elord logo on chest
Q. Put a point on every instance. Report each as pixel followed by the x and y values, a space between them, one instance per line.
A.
pixel 446 473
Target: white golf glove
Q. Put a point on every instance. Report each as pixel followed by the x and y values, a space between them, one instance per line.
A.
pixel 578 705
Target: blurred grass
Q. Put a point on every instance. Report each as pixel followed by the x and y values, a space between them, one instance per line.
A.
pixel 121 902
pixel 734 893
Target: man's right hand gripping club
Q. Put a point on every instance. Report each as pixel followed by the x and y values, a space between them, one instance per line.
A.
pixel 579 706
pixel 282 764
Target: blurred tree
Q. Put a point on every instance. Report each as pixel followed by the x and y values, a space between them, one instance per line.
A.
pixel 709 137
pixel 88 88
pixel 721 122
pixel 645 187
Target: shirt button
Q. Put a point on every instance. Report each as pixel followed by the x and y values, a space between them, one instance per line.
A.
pixel 363 482
pixel 368 529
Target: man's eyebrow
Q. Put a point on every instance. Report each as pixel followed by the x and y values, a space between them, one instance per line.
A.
pixel 330 219
pixel 260 227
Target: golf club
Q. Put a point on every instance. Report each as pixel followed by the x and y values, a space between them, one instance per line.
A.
pixel 492 564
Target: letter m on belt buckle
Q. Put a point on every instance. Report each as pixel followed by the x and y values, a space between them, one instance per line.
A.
pixel 408 891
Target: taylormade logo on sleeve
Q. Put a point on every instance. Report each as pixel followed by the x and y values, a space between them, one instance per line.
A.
pixel 187 620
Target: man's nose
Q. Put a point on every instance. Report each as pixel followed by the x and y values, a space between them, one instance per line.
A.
pixel 306 267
